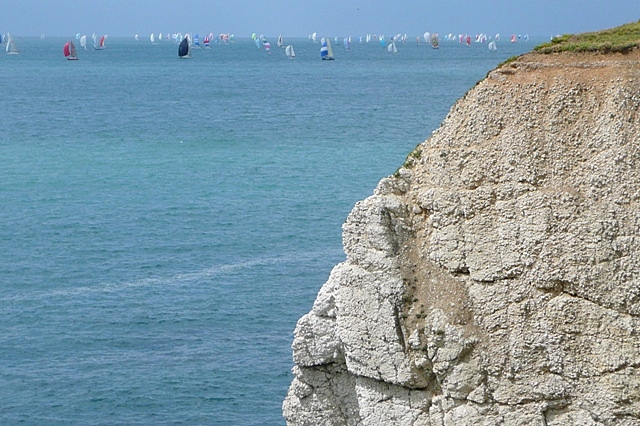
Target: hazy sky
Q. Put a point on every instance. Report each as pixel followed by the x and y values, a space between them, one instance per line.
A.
pixel 302 17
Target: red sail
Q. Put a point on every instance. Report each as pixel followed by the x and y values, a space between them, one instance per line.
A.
pixel 67 49
pixel 102 41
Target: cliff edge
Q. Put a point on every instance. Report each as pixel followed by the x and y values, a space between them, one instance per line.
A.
pixel 495 278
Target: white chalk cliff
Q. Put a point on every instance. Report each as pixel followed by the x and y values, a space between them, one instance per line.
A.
pixel 495 278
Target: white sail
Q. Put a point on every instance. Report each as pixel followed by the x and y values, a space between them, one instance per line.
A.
pixel 11 48
pixel 329 50
pixel 290 52
pixel 152 38
pixel 83 42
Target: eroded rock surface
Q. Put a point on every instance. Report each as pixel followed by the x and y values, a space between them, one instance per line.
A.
pixel 495 279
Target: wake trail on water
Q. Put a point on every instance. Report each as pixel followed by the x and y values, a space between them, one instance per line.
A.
pixel 175 280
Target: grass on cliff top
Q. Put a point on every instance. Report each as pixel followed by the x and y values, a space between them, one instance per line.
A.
pixel 620 39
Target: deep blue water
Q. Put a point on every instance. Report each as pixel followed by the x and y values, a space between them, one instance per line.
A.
pixel 165 222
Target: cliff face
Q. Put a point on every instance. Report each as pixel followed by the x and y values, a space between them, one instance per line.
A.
pixel 496 278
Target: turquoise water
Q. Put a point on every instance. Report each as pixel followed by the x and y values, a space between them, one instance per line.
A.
pixel 165 222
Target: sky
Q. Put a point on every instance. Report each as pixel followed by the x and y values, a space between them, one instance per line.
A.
pixel 300 18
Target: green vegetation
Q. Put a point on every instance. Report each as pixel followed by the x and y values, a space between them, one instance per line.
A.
pixel 416 153
pixel 621 39
pixel 413 155
pixel 507 61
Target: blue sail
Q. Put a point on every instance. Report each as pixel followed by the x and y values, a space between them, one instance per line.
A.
pixel 324 51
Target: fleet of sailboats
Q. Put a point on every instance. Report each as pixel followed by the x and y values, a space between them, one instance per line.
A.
pixel 187 42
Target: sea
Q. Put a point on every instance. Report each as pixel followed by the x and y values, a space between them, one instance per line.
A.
pixel 165 222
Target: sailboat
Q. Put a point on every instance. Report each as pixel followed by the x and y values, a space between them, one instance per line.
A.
pixel 99 44
pixel 152 38
pixel 280 42
pixel 70 51
pixel 391 48
pixel 492 46
pixel 184 49
pixel 11 46
pixel 289 52
pixel 83 42
pixel 326 53
pixel 206 42
pixel 434 41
